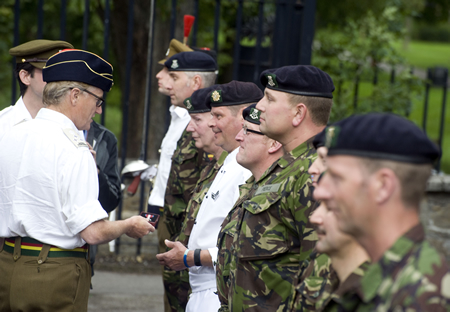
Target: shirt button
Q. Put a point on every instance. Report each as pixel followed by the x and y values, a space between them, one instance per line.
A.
pixel 40 261
pixel 16 257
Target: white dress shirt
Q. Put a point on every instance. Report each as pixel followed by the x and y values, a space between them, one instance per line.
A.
pixel 179 120
pixel 13 115
pixel 48 182
pixel 218 201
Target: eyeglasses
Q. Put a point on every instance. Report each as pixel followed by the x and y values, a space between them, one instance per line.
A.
pixel 99 99
pixel 246 130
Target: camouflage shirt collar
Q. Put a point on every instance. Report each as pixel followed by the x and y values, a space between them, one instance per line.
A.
pixel 388 263
pixel 303 150
pixel 222 158
pixel 353 280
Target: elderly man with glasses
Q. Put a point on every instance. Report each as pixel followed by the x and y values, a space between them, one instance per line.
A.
pixel 49 193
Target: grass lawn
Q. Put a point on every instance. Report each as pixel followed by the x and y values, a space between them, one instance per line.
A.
pixel 424 54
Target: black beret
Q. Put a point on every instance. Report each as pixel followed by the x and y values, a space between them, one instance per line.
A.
pixel 37 52
pixel 196 103
pixel 81 66
pixel 319 139
pixel 251 114
pixel 191 61
pixel 381 136
pixel 235 93
pixel 208 51
pixel 304 80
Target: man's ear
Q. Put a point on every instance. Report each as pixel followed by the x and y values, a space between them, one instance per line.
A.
pixel 197 82
pixel 275 146
pixel 24 77
pixel 299 115
pixel 74 96
pixel 384 184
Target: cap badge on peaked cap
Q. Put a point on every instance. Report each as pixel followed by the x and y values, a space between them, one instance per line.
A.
pixel 272 80
pixel 216 96
pixel 254 114
pixel 174 64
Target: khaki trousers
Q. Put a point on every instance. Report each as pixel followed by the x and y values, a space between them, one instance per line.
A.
pixel 57 284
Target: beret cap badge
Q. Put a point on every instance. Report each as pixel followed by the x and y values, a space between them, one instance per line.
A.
pixel 254 114
pixel 174 64
pixel 216 96
pixel 188 104
pixel 331 136
pixel 272 80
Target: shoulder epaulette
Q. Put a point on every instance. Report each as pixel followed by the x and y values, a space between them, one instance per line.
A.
pixel 74 137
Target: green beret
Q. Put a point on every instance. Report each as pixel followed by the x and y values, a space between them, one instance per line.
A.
pixel 37 52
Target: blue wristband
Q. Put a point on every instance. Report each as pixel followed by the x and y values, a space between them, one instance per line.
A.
pixel 184 258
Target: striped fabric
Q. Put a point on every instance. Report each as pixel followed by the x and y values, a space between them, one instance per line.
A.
pixel 32 247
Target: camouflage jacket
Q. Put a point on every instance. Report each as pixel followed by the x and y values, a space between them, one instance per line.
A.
pixel 187 163
pixel 201 188
pixel 273 235
pixel 225 244
pixel 317 282
pixel 410 276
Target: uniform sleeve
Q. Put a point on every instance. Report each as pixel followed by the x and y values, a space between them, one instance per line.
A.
pixel 79 192
pixel 109 178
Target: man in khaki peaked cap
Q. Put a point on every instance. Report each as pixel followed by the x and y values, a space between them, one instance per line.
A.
pixel 49 205
pixel 30 59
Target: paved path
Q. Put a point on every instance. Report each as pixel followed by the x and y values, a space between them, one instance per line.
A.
pixel 126 292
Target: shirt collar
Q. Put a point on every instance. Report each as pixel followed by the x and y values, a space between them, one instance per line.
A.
pixel 51 115
pixel 178 111
pixel 22 112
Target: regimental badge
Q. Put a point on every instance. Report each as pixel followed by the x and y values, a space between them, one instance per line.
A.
pixel 215 196
pixel 331 136
pixel 254 114
pixel 174 64
pixel 272 80
pixel 188 104
pixel 216 96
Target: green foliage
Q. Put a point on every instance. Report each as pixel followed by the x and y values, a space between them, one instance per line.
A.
pixel 437 33
pixel 355 53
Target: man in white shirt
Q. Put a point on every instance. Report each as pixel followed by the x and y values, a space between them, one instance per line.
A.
pixel 30 59
pixel 227 102
pixel 183 73
pixel 49 204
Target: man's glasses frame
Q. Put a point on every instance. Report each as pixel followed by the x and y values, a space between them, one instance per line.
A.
pixel 246 130
pixel 100 100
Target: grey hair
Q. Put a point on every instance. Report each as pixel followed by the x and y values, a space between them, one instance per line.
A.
pixel 208 78
pixel 55 91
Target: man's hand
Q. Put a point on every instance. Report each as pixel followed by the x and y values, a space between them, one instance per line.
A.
pixel 173 258
pixel 139 227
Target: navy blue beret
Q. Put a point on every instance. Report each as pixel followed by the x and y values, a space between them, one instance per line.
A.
pixel 196 103
pixel 191 61
pixel 235 93
pixel 319 139
pixel 81 66
pixel 304 80
pixel 251 114
pixel 381 136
